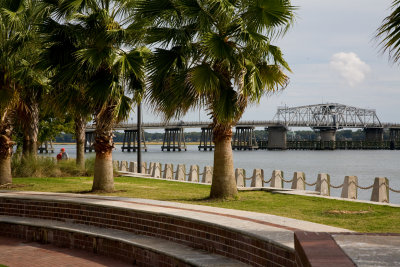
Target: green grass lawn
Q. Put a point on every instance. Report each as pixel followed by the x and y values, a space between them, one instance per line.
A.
pixel 350 215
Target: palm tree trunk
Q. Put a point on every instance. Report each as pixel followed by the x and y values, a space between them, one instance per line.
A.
pixel 80 126
pixel 5 160
pixel 6 145
pixel 30 142
pixel 103 179
pixel 223 182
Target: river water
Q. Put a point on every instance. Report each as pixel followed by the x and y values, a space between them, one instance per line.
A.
pixel 365 164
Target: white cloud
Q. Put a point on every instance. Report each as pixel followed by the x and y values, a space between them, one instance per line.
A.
pixel 350 67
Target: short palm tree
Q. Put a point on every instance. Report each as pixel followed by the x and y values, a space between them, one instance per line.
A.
pixel 217 54
pixel 111 68
pixel 389 33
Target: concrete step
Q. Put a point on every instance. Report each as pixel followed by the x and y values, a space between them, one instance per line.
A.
pixel 185 254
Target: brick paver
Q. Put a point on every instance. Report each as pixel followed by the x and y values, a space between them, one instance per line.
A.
pixel 18 253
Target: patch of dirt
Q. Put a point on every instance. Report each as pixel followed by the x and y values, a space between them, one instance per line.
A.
pixel 347 211
pixel 11 186
pixel 100 192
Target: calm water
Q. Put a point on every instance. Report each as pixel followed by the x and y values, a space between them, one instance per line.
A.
pixel 365 164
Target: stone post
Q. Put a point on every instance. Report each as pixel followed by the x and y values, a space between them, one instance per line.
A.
pixel 323 184
pixel 257 180
pixel 349 189
pixel 133 166
pixel 380 191
pixel 168 171
pixel 151 168
pixel 180 172
pixel 144 167
pixel 194 173
pixel 240 175
pixel 116 164
pixel 156 170
pixel 124 166
pixel 207 175
pixel 298 181
pixel 276 179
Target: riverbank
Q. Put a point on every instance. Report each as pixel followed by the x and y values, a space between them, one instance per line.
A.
pixel 359 217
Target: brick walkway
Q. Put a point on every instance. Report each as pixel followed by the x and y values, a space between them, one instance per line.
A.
pixel 18 253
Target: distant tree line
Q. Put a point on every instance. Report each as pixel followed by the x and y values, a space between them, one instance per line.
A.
pixel 259 134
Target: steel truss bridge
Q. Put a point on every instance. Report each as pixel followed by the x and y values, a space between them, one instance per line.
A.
pixel 330 115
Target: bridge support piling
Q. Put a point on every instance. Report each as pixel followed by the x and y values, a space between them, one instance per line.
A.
pixel 244 138
pixel 373 134
pixel 206 140
pixel 394 134
pixel 46 147
pixel 174 139
pixel 130 141
pixel 89 141
pixel 276 138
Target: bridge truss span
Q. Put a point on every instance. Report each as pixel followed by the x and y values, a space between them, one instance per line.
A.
pixel 330 115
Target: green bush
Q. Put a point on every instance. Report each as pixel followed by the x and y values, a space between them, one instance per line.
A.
pixel 40 166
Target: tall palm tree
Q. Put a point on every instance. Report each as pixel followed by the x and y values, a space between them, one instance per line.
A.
pixel 389 33
pixel 17 80
pixel 110 65
pixel 217 54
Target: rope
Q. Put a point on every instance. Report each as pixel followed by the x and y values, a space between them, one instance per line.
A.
pixel 247 179
pixel 393 190
pixel 364 188
pixel 309 184
pixel 339 186
pixel 287 181
pixel 267 181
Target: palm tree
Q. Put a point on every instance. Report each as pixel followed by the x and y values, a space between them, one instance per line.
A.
pixel 17 79
pixel 110 67
pixel 389 32
pixel 217 54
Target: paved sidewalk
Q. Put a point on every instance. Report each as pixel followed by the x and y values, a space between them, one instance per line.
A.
pixel 19 253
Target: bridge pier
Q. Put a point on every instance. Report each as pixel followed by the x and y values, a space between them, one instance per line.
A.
pixel 89 141
pixel 46 147
pixel 131 141
pixel 206 139
pixel 327 134
pixel 373 134
pixel 276 138
pixel 244 138
pixel 174 139
pixel 394 134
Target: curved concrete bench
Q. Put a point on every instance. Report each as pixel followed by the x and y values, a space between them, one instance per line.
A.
pixel 251 238
pixel 137 249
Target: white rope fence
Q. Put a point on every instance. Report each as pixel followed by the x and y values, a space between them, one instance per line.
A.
pixel 380 187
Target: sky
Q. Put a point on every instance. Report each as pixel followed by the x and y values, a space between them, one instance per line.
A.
pixel 334 59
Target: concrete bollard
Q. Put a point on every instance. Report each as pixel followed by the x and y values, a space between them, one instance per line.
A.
pixel 298 181
pixel 349 189
pixel 207 175
pixel 180 172
pixel 144 167
pixel 168 171
pixel 151 168
pixel 380 190
pixel 116 164
pixel 194 173
pixel 323 184
pixel 156 170
pixel 240 175
pixel 133 166
pixel 276 179
pixel 123 167
pixel 257 180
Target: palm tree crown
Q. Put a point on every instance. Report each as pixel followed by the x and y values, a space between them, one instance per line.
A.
pixel 389 32
pixel 214 53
